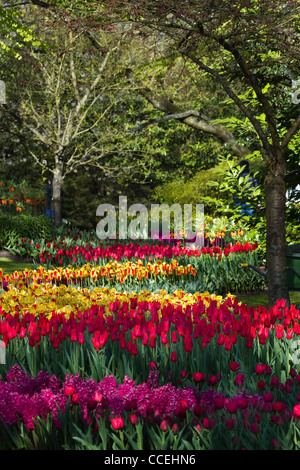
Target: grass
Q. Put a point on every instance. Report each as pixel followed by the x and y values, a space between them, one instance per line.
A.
pixel 253 300
pixel 10 266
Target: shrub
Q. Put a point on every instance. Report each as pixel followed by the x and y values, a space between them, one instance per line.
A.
pixel 13 227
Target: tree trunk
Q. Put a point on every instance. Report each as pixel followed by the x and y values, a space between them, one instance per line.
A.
pixel 275 199
pixel 57 187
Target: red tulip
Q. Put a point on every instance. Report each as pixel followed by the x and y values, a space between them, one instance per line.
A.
pixel 274 382
pixel 174 337
pixel 278 406
pixel 214 379
pixel 275 444
pixel 268 397
pixel 80 337
pixel 31 341
pixel 164 425
pixel 199 377
pixel 130 405
pixel 184 404
pixel 198 428
pixel 91 404
pixel 117 423
pixel 175 428
pixel 180 412
pixel 75 399
pixel 22 333
pixel 255 428
pixel 221 339
pixel 260 369
pixel 208 423
pixel 164 337
pixel 239 380
pixel 261 385
pixel 296 411
pixel 188 343
pixel 219 403
pixel 242 403
pixel 145 339
pixel 228 343
pixel 230 423
pixel 279 331
pixel 69 390
pixel 231 406
pixel 257 417
pixel 134 419
pixel 183 374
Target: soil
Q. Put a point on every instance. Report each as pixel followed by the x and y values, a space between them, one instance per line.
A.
pixel 8 255
pixel 264 290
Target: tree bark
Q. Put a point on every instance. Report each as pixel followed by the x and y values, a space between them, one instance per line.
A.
pixel 192 119
pixel 275 199
pixel 57 188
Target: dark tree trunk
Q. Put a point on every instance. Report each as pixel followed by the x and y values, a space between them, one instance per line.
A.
pixel 57 187
pixel 275 199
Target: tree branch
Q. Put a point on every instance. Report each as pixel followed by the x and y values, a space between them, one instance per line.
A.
pixel 36 132
pixel 42 4
pixel 246 111
pixel 290 133
pixel 193 119
pixel 43 165
pixel 269 112
pixel 73 75
pixel 74 113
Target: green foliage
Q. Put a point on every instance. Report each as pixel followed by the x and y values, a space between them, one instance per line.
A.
pixel 13 31
pixel 205 187
pixel 293 233
pixel 225 275
pixel 21 197
pixel 14 227
pixel 293 222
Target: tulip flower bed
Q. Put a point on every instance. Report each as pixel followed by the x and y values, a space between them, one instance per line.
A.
pixel 213 268
pixel 86 246
pixel 96 367
pixel 141 346
pixel 81 251
pixel 112 273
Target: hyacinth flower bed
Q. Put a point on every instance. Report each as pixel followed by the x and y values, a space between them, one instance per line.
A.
pixel 88 415
pixel 90 366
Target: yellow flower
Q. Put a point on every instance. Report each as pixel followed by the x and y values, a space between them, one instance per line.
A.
pixel 40 297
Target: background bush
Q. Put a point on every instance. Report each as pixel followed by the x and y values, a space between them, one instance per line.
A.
pixel 13 227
